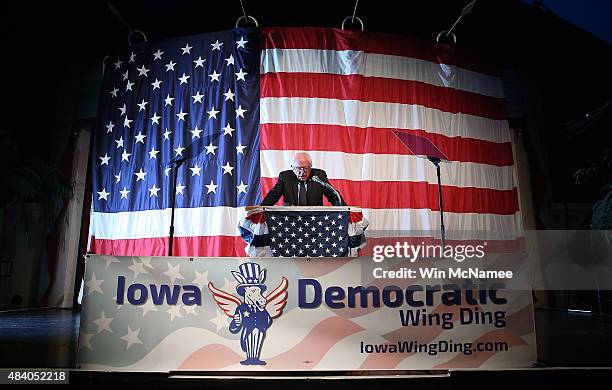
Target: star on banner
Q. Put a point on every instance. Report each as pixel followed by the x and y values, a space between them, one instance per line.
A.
pixel 124 193
pixel 140 175
pixel 242 188
pixel 142 71
pixel 181 115
pixel 227 130
pixel 155 118
pixel 153 191
pixel 131 337
pixel 173 273
pixel 216 45
pixel 94 284
pixel 103 323
pixel 174 311
pixel 195 133
pixel 153 153
pixel 240 75
pixel 229 95
pixel 212 113
pixel 195 171
pixel 241 43
pixel 85 340
pixel 103 194
pixel 183 79
pixel 104 159
pixel 220 320
pixel 240 111
pixel 199 62
pixel 212 187
pixel 147 307
pixel 211 148
pixel 137 268
pixel 214 76
pixel 186 49
pixel 227 168
pixel 201 278
pixel 197 98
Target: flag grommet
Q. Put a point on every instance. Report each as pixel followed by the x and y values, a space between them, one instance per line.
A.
pixel 132 33
pixel 247 17
pixel 447 33
pixel 352 21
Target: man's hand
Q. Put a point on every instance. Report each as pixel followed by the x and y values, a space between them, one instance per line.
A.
pixel 238 319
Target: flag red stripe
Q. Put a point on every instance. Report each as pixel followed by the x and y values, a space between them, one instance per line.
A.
pixel 210 357
pixel 372 42
pixel 379 89
pixel 420 195
pixel 208 246
pixel 352 139
pixel 321 338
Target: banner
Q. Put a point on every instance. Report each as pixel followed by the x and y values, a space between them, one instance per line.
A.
pixel 303 231
pixel 242 314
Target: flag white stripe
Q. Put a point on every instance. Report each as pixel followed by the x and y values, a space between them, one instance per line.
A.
pixel 392 167
pixel 349 62
pixel 198 221
pixel 204 221
pixel 381 115
pixel 459 226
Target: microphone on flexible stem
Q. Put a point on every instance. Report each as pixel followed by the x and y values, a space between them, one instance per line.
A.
pixel 324 184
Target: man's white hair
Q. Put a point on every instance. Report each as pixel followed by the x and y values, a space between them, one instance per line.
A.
pixel 300 154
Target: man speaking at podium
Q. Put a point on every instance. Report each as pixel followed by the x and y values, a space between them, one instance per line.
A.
pixel 303 186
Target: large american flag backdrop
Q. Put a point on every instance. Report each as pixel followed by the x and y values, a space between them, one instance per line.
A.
pixel 238 104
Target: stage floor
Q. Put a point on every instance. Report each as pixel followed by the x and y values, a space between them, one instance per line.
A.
pixel 566 341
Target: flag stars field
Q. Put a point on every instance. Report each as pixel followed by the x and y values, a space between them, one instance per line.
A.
pixel 169 99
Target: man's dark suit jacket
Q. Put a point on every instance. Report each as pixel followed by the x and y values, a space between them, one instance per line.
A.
pixel 287 187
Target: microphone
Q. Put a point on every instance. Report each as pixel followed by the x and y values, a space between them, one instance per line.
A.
pixel 327 185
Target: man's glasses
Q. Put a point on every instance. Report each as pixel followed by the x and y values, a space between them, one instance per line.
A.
pixel 302 168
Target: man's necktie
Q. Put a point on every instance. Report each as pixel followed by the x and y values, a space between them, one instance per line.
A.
pixel 302 194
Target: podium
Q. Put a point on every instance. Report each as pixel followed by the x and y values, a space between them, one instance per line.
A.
pixel 303 231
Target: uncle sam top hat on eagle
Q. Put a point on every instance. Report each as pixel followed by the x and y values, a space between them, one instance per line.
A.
pixel 250 274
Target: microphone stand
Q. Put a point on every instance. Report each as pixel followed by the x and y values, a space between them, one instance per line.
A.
pixel 422 147
pixel 177 165
pixel 436 162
